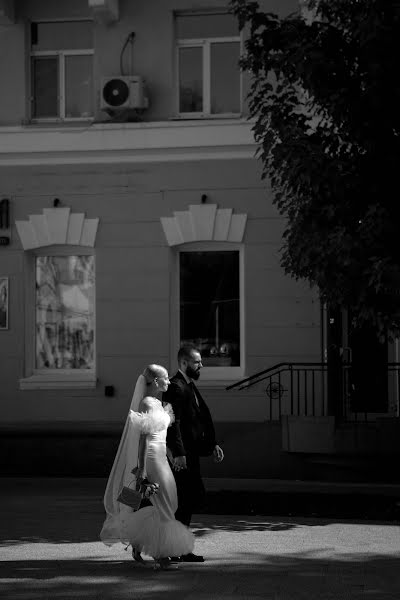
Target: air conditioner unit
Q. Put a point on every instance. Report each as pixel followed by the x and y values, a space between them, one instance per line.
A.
pixel 120 92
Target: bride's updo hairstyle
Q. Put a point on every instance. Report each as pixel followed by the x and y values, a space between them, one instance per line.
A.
pixel 151 373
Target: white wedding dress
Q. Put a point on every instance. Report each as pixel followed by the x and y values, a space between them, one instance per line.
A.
pixel 153 530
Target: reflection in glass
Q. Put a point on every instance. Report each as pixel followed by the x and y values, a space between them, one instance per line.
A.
pixel 64 312
pixel 210 305
pixel 45 87
pixel 78 86
pixel 190 79
pixel 225 77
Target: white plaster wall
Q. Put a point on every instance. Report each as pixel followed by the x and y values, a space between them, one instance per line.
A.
pixel 133 297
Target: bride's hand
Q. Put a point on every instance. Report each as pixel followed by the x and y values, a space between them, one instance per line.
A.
pixel 140 474
pixel 179 463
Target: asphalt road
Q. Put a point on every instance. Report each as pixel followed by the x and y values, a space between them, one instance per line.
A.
pixel 49 550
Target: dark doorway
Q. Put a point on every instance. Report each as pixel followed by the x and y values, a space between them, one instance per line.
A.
pixel 368 373
pixel 357 367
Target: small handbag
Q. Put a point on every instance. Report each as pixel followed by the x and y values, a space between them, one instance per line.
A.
pixel 133 497
pixel 130 497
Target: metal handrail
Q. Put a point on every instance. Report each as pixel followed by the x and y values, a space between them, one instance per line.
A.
pixel 261 375
pixel 307 386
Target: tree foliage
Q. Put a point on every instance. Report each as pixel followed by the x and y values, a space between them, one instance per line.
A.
pixel 325 98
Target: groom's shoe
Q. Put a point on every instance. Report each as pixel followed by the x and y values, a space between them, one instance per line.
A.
pixel 192 558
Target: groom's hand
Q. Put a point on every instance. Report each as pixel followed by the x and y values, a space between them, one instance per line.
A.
pixel 179 463
pixel 218 454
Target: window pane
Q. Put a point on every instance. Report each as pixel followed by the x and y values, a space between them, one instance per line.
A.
pixel 78 86
pixel 45 87
pixel 65 312
pixel 67 35
pixel 202 26
pixel 190 80
pixel 210 305
pixel 225 77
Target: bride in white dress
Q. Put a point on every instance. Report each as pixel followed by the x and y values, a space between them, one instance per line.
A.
pixel 153 529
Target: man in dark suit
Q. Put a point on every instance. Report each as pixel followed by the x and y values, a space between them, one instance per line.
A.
pixel 190 436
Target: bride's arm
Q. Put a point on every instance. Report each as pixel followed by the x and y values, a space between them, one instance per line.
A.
pixel 143 444
pixel 142 455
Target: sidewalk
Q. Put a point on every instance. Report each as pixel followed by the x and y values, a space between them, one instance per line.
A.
pixel 49 550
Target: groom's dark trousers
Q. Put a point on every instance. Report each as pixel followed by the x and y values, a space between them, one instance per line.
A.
pixel 192 435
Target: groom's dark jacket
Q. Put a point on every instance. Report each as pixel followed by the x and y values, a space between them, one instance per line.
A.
pixel 192 432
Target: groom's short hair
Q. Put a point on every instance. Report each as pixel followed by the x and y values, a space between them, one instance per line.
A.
pixel 185 352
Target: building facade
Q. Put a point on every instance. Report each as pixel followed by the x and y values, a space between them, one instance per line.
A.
pixel 136 219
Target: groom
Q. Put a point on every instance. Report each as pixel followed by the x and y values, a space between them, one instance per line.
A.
pixel 190 436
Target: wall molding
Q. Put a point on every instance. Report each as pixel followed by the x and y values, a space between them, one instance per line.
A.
pixel 117 143
pixel 57 226
pixel 204 222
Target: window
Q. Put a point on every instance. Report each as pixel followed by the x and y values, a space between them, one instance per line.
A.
pixel 64 312
pixel 62 70
pixel 61 353
pixel 210 314
pixel 208 74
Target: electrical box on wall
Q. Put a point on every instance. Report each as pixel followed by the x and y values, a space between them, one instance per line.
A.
pixel 120 93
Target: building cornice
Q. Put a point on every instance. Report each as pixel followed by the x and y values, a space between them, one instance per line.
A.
pixel 106 143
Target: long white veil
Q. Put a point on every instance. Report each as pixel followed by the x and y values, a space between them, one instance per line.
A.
pixel 121 472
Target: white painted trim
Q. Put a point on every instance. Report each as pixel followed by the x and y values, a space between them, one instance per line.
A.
pixel 41 379
pixel 56 226
pixel 100 143
pixel 55 53
pixel 204 222
pixel 205 44
pixel 58 381
pixel 61 86
pixel 60 55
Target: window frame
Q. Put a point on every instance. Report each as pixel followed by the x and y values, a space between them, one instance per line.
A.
pixel 215 375
pixel 51 378
pixel 61 56
pixel 205 44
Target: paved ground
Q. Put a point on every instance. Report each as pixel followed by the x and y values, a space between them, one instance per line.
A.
pixel 49 549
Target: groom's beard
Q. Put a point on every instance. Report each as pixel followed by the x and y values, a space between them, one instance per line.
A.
pixel 190 372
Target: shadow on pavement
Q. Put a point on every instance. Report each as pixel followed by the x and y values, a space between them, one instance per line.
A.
pixel 78 519
pixel 297 576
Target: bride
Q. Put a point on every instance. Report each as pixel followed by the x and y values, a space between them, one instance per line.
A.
pixel 153 529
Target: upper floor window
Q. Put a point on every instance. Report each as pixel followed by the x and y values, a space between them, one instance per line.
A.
pixel 208 74
pixel 62 70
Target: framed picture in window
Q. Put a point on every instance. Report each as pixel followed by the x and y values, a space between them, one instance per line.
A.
pixel 3 303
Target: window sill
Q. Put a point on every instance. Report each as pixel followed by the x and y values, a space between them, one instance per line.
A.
pixel 84 121
pixel 58 381
pixel 205 116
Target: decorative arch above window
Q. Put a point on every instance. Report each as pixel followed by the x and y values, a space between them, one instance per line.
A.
pixel 57 226
pixel 204 222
